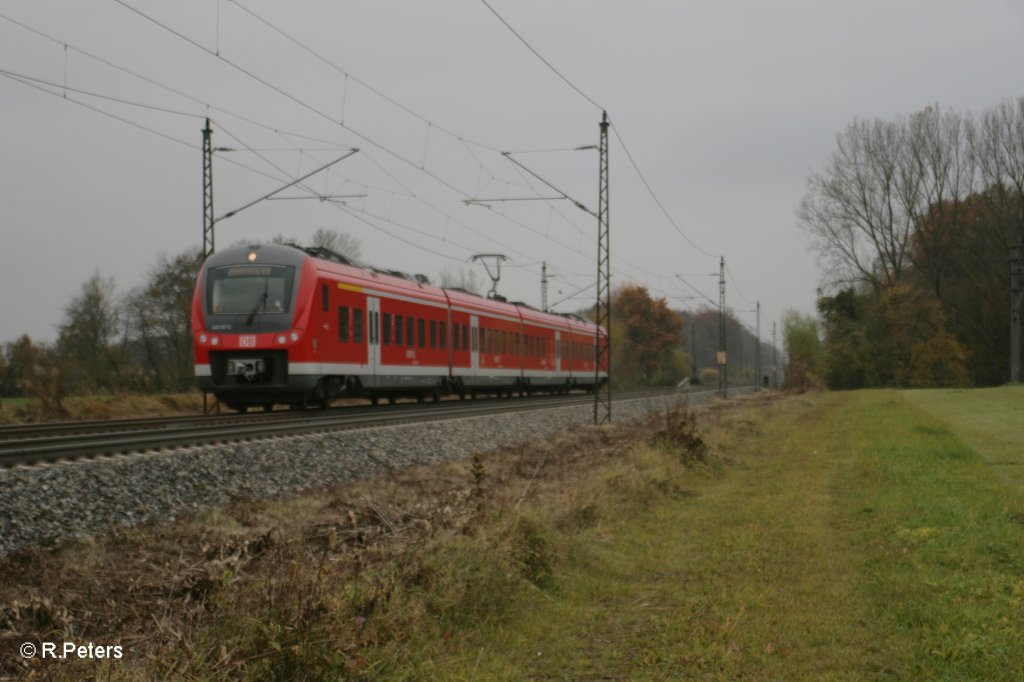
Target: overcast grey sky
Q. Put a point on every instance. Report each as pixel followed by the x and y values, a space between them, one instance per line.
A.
pixel 725 107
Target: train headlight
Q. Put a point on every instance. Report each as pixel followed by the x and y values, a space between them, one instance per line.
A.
pixel 294 336
pixel 202 338
pixel 281 339
pixel 214 340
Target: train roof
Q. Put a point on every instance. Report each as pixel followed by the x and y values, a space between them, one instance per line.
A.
pixel 397 282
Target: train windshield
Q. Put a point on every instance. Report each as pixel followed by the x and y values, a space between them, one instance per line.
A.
pixel 250 289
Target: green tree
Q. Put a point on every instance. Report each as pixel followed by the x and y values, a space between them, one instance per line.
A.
pixel 86 341
pixel 803 350
pixel 33 370
pixel 160 322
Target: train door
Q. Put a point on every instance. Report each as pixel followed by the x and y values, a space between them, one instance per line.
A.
pixel 474 333
pixel 558 352
pixel 373 338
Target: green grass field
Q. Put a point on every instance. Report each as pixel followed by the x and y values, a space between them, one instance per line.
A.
pixel 869 535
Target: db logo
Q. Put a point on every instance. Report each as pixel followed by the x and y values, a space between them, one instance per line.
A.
pixel 247 341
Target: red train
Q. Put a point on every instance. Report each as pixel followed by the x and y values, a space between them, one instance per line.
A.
pixel 275 324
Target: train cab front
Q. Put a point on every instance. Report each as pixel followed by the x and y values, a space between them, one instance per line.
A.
pixel 248 325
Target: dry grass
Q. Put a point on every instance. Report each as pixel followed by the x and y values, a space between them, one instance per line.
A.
pixel 119 406
pixel 332 582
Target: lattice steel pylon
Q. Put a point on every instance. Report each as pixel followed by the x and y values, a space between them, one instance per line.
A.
pixel 207 191
pixel 603 318
pixel 1016 285
pixel 723 361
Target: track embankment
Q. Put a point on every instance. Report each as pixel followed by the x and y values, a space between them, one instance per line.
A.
pixel 48 503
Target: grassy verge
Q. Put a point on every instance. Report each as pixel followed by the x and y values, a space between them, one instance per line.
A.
pixel 833 536
pixel 102 406
pixel 848 536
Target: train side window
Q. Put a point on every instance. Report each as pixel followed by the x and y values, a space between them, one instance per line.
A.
pixel 357 325
pixel 421 331
pixel 409 332
pixel 398 330
pixel 504 343
pixel 465 337
pixel 475 332
pixel 343 323
pixel 387 329
pixel 515 337
pixel 455 336
pixel 444 334
pixel 433 333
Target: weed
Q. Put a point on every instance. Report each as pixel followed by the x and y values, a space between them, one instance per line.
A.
pixel 680 436
pixel 532 552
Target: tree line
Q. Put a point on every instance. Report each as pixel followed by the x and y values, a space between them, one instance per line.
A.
pixel 913 220
pixel 141 341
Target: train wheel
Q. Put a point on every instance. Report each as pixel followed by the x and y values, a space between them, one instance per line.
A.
pixel 419 397
pixel 435 397
pixel 374 400
pixel 392 400
pixel 268 407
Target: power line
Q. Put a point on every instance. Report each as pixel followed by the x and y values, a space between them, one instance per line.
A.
pixel 313 109
pixel 351 211
pixel 657 201
pixel 98 110
pixel 541 57
pixel 361 82
pixel 736 286
pixel 618 135
pixel 110 98
pixel 285 135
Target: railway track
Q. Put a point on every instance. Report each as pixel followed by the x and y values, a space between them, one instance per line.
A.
pixel 31 444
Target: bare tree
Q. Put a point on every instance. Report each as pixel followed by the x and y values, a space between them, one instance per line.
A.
pixel 855 209
pixel 459 277
pixel 339 242
pixel 998 145
pixel 865 210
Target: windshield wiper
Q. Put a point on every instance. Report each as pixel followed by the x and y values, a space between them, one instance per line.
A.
pixel 261 302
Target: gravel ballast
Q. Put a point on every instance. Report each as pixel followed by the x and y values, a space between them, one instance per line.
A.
pixel 49 503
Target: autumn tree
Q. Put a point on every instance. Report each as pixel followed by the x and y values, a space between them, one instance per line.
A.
pixel 965 271
pixel 647 339
pixel 923 353
pixel 919 211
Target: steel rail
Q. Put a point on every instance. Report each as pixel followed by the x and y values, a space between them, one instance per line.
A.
pixel 177 434
pixel 14 432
